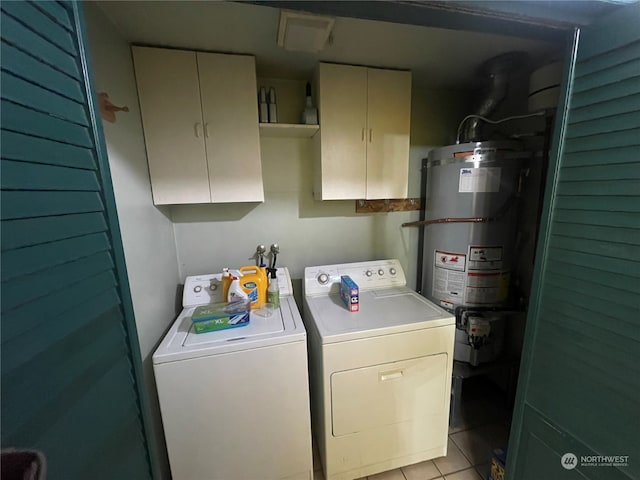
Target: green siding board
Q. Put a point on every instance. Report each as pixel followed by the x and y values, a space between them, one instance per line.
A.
pixel 607 60
pixel 31 287
pixel 56 329
pixel 606 109
pixel 562 296
pixel 51 31
pixel 599 188
pixel 620 251
pixel 612 156
pixel 36 176
pixel 597 262
pixel 26 148
pixel 626 297
pixel 614 280
pixel 35 71
pixel 609 77
pixel 601 172
pixel 18 204
pixel 591 217
pixel 52 373
pixel 597 205
pixel 56 12
pixel 604 326
pixel 630 236
pixel 40 99
pixel 98 396
pixel 28 260
pixel 20 119
pixel 616 123
pixel 623 88
pixel 21 37
pixel 29 316
pixel 32 231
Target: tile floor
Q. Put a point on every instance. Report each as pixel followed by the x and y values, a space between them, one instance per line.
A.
pixel 484 425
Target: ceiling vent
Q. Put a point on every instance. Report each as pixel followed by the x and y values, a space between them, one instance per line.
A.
pixel 303 32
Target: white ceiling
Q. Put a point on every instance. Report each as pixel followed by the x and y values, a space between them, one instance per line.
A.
pixel 437 57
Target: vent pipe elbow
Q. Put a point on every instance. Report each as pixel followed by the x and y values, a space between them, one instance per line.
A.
pixel 497 69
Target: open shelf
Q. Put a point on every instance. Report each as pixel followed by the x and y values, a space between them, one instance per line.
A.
pixel 291 130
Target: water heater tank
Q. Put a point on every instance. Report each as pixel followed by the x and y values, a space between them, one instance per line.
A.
pixel 472 218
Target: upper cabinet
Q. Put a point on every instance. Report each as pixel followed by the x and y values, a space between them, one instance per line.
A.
pixel 363 144
pixel 200 120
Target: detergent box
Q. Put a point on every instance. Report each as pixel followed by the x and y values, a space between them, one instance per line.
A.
pixel 350 293
pixel 219 316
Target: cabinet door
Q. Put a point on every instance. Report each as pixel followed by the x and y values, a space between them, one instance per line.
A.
pixel 343 114
pixel 388 122
pixel 230 110
pixel 169 94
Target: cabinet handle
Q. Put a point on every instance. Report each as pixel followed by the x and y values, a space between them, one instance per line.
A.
pixel 363 129
pixel 370 134
pixel 198 129
pixel 206 129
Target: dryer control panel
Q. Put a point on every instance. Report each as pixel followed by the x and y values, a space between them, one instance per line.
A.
pixel 376 274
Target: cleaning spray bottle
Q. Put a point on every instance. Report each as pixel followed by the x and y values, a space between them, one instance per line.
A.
pixel 236 291
pixel 226 282
pixel 273 291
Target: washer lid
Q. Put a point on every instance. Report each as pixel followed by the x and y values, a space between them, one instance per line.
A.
pixel 181 342
pixel 385 311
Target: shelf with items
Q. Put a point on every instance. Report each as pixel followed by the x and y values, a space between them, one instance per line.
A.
pixel 290 102
pixel 292 130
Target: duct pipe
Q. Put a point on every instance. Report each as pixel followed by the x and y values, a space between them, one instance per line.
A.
pixel 497 69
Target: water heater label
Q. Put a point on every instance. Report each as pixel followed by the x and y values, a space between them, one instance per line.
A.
pixel 449 276
pixel 485 258
pixel 483 179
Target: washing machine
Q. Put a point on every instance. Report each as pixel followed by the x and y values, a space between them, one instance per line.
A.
pixel 235 403
pixel 380 377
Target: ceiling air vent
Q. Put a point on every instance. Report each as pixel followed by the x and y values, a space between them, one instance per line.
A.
pixel 303 32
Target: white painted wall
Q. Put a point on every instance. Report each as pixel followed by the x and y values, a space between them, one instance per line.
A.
pixel 147 232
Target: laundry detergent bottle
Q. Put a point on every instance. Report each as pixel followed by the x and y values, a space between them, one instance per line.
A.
pixel 254 283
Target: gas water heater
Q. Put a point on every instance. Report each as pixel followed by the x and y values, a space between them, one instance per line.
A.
pixel 469 248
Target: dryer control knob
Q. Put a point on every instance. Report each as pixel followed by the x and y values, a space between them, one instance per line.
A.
pixel 197 289
pixel 392 271
pixel 381 272
pixel 323 278
pixel 368 273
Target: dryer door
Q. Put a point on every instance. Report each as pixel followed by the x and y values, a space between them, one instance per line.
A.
pixel 391 397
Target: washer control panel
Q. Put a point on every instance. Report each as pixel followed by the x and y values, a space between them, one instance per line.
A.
pixel 367 275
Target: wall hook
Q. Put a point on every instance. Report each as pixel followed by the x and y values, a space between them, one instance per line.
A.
pixel 107 109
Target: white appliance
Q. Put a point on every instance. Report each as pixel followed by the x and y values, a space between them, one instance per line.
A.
pixel 235 403
pixel 381 377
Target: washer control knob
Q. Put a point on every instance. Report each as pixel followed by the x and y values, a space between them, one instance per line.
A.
pixel 392 271
pixel 368 273
pixel 197 289
pixel 323 278
pixel 213 287
pixel 381 272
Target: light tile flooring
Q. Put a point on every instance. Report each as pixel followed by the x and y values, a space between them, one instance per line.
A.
pixel 484 426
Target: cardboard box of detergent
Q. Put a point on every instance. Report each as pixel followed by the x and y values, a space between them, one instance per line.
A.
pixel 222 315
pixel 350 293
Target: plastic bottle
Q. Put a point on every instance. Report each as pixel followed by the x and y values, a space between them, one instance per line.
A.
pixel 235 291
pixel 253 282
pixel 273 291
pixel 226 282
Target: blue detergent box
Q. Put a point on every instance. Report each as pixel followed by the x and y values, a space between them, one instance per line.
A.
pixel 220 316
pixel 350 293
